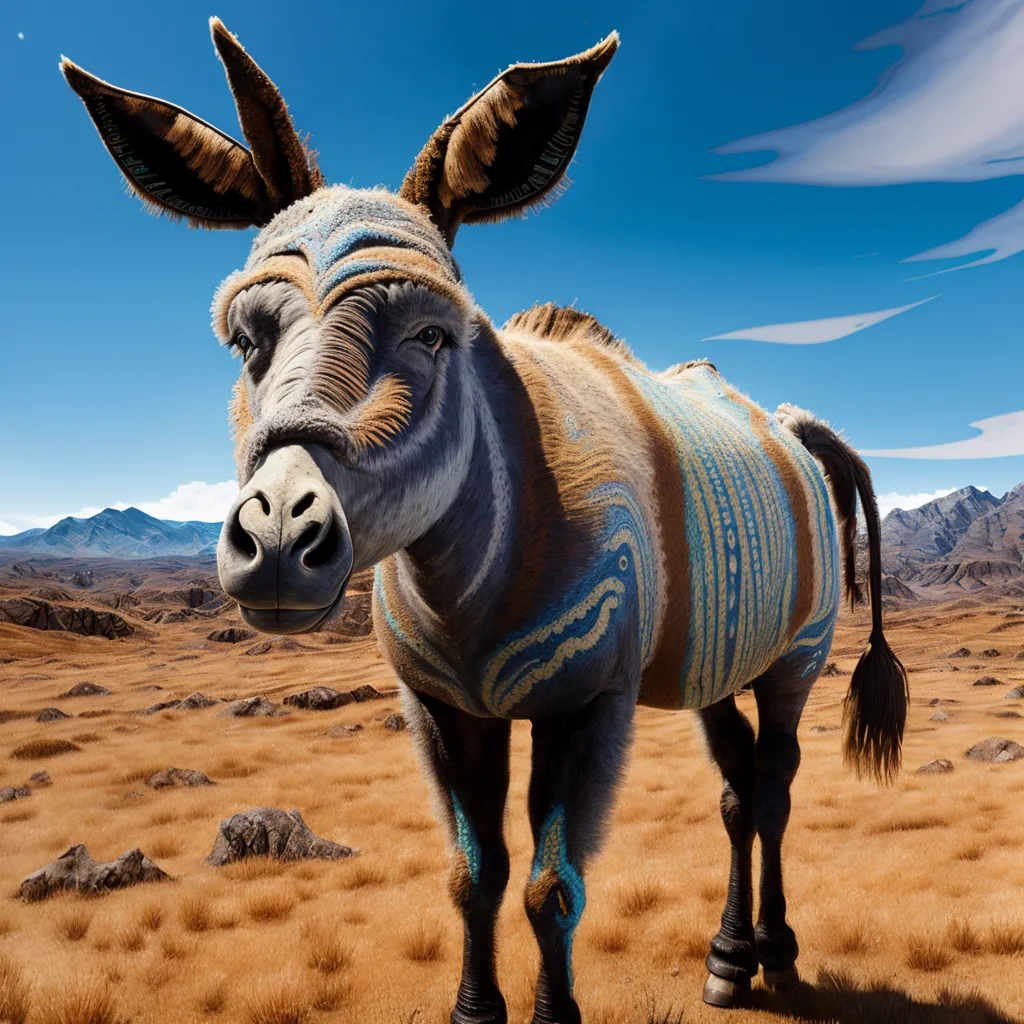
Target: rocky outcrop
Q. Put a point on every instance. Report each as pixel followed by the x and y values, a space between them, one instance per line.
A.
pixel 193 702
pixel 179 777
pixel 996 749
pixel 37 614
pixel 77 871
pixel 9 793
pixel 231 635
pixel 319 698
pixel 986 681
pixel 51 715
pixel 87 690
pixel 940 766
pixel 1016 693
pixel 270 832
pixel 278 645
pixel 961 652
pixel 252 707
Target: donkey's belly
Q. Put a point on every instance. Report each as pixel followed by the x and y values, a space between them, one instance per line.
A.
pixel 762 549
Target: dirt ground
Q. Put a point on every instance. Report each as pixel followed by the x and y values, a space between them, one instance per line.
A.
pixel 908 903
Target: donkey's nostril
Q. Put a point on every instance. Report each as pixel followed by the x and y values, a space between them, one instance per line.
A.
pixel 326 549
pixel 302 504
pixel 264 502
pixel 241 539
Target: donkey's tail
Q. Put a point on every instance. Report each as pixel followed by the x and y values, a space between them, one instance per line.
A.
pixel 875 712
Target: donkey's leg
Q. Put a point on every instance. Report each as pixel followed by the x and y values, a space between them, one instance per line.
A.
pixel 732 961
pixel 468 757
pixel 577 761
pixel 781 694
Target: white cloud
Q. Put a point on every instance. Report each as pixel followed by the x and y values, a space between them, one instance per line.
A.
pixel 887 502
pixel 208 503
pixel 948 110
pixel 1003 235
pixel 1000 435
pixel 814 332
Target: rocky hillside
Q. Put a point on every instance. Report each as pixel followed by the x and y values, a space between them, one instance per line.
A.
pixel 127 534
pixel 968 541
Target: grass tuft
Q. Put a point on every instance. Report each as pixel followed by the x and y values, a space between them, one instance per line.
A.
pixel 639 898
pixel 424 944
pixel 15 993
pixel 924 954
pixel 35 750
pixel 73 925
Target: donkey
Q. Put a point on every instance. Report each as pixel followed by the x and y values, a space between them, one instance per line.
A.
pixel 559 534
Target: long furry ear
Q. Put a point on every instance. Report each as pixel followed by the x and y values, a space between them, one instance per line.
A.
pixel 286 168
pixel 510 145
pixel 172 160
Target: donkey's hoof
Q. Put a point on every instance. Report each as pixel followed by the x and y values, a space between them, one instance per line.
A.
pixel 723 992
pixel 781 981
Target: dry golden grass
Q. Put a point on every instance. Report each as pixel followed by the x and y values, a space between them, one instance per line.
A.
pixel 907 902
pixel 38 750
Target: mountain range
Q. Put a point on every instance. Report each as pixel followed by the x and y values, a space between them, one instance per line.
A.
pixel 128 534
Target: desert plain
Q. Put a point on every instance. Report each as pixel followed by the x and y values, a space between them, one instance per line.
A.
pixel 908 902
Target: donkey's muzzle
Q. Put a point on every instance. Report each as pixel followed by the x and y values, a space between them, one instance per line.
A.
pixel 285 554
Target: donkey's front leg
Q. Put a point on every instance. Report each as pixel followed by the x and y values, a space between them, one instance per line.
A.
pixel 577 761
pixel 468 758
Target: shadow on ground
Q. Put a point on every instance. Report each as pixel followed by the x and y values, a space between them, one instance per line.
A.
pixel 835 996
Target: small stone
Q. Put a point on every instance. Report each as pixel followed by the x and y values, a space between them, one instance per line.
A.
pixel 824 728
pixel 990 653
pixel 936 701
pixel 940 766
pixel 232 635
pixel 9 793
pixel 40 779
pixel 365 693
pixel 270 832
pixel 51 715
pixel 1016 693
pixel 87 690
pixel 319 698
pixel 994 748
pixel 987 681
pixel 252 707
pixel 344 731
pixel 78 871
pixel 396 723
pixel 195 702
pixel 962 652
pixel 939 716
pixel 178 777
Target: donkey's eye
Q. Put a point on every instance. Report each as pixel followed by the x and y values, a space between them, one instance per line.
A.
pixel 244 345
pixel 432 337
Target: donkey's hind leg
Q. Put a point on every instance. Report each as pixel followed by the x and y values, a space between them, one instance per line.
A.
pixel 468 759
pixel 577 760
pixel 781 694
pixel 732 961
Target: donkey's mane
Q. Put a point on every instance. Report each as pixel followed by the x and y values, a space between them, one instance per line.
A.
pixel 566 323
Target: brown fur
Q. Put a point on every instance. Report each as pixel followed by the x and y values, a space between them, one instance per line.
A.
pixel 222 166
pixel 565 323
pixel 539 889
pixel 384 413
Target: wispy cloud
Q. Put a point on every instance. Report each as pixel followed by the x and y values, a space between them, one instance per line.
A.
pixel 207 503
pixel 815 332
pixel 999 435
pixel 1003 235
pixel 948 110
pixel 887 502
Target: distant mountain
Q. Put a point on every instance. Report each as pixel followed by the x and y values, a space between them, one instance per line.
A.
pixel 968 540
pixel 128 534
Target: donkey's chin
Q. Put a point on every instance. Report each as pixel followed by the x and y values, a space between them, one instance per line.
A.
pixel 285 620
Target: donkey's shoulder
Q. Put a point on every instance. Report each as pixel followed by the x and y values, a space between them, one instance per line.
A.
pixel 548 322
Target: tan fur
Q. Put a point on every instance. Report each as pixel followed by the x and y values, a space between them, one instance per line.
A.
pixel 240 416
pixel 291 268
pixel 565 323
pixel 538 890
pixel 341 376
pixel 220 164
pixel 459 881
pixel 385 413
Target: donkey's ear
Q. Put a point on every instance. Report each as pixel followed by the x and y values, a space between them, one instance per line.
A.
pixel 509 146
pixel 171 159
pixel 288 171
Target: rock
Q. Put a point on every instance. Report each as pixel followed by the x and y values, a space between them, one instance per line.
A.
pixel 164 705
pixel 51 715
pixel 344 731
pixel 935 701
pixel 40 779
pixel 940 766
pixel 366 692
pixel 396 723
pixel 252 707
pixel 995 749
pixel 939 716
pixel 1015 694
pixel 37 614
pixel 319 698
pixel 832 669
pixel 270 832
pixel 9 793
pixel 87 690
pixel 952 668
pixel 76 870
pixel 1019 656
pixel 986 681
pixel 278 644
pixel 232 635
pixel 178 777
pixel 991 653
pixel 195 702
pixel 824 728
pixel 962 652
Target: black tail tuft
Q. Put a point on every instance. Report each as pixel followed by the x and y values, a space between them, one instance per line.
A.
pixel 875 712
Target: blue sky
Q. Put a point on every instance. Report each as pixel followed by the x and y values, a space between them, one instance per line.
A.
pixel 681 225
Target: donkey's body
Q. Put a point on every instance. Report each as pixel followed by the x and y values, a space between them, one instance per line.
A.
pixel 558 532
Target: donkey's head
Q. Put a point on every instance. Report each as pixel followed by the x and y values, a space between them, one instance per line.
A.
pixel 354 415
